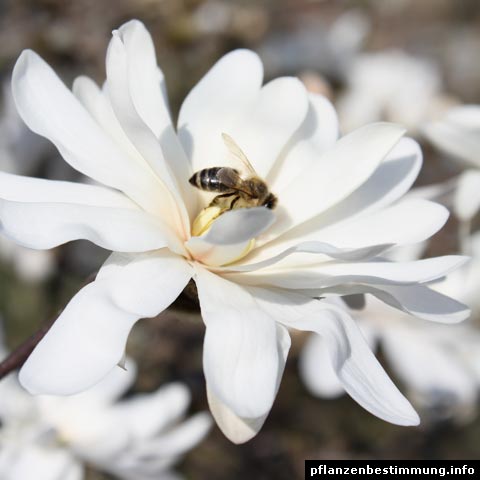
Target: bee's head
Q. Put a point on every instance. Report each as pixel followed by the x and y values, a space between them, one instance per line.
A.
pixel 270 202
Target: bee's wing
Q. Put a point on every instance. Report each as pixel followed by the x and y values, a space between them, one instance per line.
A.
pixel 231 179
pixel 236 151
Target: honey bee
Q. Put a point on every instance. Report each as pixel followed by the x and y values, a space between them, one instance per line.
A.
pixel 234 191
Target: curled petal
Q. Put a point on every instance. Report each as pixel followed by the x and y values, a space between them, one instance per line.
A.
pixel 89 337
pixel 356 367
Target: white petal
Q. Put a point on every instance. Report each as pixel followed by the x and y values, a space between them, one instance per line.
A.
pixel 50 109
pixel 363 237
pixel 388 183
pixel 318 250
pixel 89 337
pixel 431 370
pixel 318 133
pixel 121 93
pixel 238 429
pixel 423 302
pixel 467 196
pixel 240 356
pixel 47 225
pixel 335 273
pixel 147 85
pixel 317 371
pixel 97 103
pixel 418 300
pixel 238 226
pixel 277 112
pixel 214 104
pixel 230 236
pixel 357 368
pixel 409 221
pixel 343 169
pixel 43 214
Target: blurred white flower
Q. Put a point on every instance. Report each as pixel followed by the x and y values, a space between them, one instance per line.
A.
pixel 317 44
pixel 141 438
pixel 257 271
pixel 457 135
pixel 439 364
pixel 21 152
pixel 390 85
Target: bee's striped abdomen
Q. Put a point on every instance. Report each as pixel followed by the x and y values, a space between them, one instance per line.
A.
pixel 207 180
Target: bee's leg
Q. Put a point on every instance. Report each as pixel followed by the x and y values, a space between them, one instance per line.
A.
pixel 232 205
pixel 220 200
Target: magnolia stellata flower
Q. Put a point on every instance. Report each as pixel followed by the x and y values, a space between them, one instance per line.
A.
pixel 439 364
pixel 258 271
pixel 393 86
pixel 51 438
pixel 457 134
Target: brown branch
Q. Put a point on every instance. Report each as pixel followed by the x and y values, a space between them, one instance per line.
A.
pixel 18 357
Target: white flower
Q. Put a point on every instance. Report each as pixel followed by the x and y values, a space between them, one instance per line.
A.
pixel 51 438
pixel 332 222
pixel 21 152
pixel 439 364
pixel 390 85
pixel 458 134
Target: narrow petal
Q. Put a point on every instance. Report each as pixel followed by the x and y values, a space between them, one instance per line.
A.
pixel 407 222
pixel 89 337
pixel 214 104
pixel 120 90
pixel 42 214
pixel 239 429
pixel 318 132
pixel 388 183
pixel 418 300
pixel 277 112
pixel 424 302
pixel 343 169
pixel 318 250
pixel 335 273
pixel 50 109
pixel 240 356
pixel 47 225
pixel 96 102
pixel 357 368
pixel 147 88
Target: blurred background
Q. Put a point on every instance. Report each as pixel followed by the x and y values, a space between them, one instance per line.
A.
pixel 399 60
